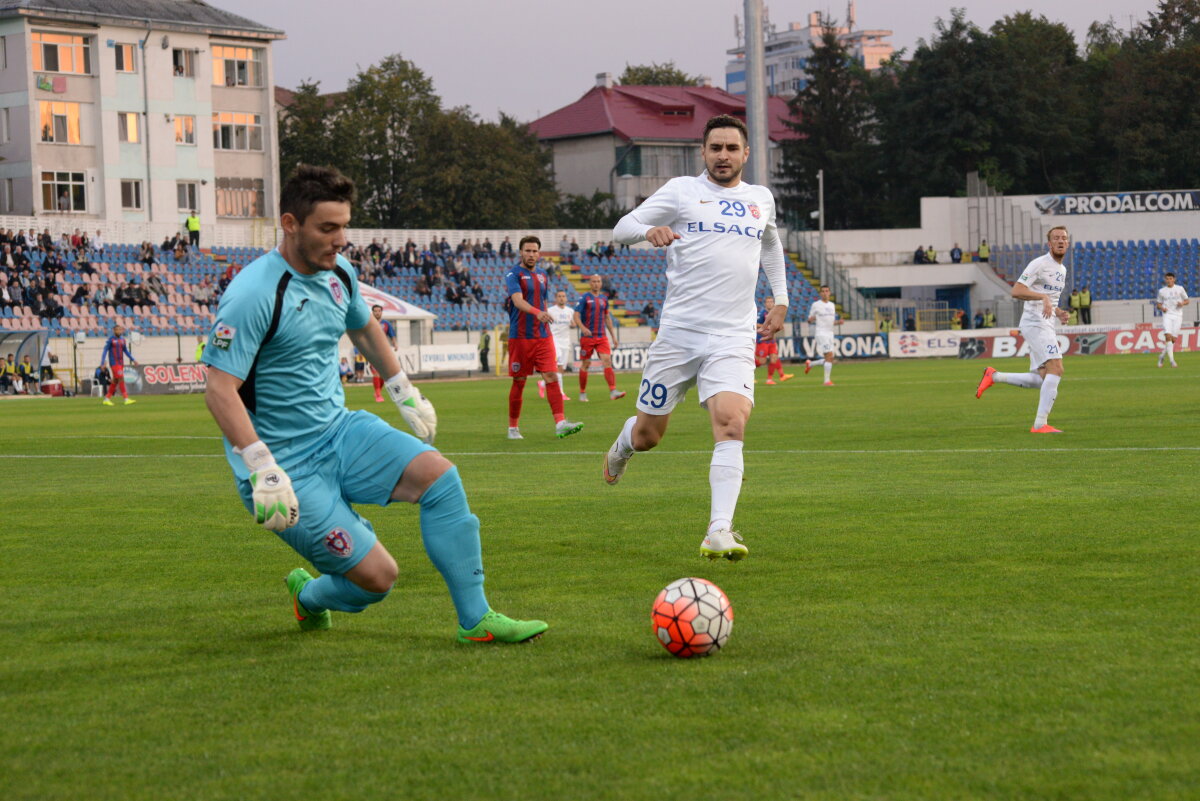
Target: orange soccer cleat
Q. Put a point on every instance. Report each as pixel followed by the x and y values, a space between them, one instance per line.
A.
pixel 985 382
pixel 1046 429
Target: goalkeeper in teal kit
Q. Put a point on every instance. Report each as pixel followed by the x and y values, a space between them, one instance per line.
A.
pixel 300 458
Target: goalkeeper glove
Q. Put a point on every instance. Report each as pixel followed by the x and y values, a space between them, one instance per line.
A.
pixel 414 407
pixel 275 503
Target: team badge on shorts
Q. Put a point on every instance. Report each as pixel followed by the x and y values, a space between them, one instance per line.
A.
pixel 753 209
pixel 515 367
pixel 335 288
pixel 339 543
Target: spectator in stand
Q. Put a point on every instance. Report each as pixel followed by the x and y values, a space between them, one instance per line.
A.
pixel 477 291
pixel 6 258
pixel 6 298
pixel 46 241
pixel 506 249
pixel 436 279
pixel 955 254
pixel 19 240
pixel 422 287
pixel 564 250
pixel 445 249
pixel 154 284
pixel 33 300
pixel 574 251
pixel 454 294
pixel 64 243
pixel 20 258
pixel 452 270
pixel 477 250
pixel 919 255
pixel 650 313
pixel 78 240
pixel 205 294
pixel 609 251
pixel 488 250
pixel 83 264
pixel 608 288
pixel 147 257
pixel 978 321
pixel 80 296
pixel 103 296
pixel 98 242
pixel 930 255
pixel 121 295
pixel 464 277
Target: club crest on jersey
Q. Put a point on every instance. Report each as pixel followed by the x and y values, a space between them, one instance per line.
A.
pixel 335 289
pixel 753 209
pixel 222 335
pixel 339 543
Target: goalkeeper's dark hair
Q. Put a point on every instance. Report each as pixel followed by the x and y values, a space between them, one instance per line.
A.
pixel 310 185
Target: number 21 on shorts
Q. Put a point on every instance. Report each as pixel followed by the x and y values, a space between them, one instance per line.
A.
pixel 657 393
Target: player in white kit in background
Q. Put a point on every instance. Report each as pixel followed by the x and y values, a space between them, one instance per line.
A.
pixel 562 320
pixel 1170 301
pixel 716 229
pixel 823 314
pixel 1040 287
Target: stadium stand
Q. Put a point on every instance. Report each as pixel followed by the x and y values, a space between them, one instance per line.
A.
pixel 1120 270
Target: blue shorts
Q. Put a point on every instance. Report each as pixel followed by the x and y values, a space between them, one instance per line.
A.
pixel 359 461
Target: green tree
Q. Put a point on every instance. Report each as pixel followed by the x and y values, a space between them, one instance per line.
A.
pixel 384 106
pixel 666 74
pixel 832 118
pixel 305 130
pixel 581 211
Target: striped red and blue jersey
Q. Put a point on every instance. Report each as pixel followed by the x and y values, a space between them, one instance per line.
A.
pixel 761 338
pixel 533 286
pixel 388 330
pixel 115 351
pixel 591 309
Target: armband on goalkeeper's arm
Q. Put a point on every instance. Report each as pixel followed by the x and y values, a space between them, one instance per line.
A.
pixel 414 407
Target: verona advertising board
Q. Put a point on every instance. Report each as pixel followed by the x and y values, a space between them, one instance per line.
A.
pixel 1120 202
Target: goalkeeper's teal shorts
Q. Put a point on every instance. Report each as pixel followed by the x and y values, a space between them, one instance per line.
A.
pixel 358 460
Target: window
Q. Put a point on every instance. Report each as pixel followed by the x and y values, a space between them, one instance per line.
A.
pixel 60 122
pixel 6 196
pixel 63 191
pixel 125 58
pixel 185 130
pixel 184 62
pixel 239 197
pixel 233 130
pixel 237 66
pixel 187 193
pixel 667 162
pixel 127 126
pixel 3 52
pixel 5 122
pixel 61 52
pixel 131 194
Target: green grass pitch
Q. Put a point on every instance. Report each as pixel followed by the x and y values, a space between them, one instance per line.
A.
pixel 937 605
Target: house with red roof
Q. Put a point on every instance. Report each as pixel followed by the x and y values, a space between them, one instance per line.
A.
pixel 630 140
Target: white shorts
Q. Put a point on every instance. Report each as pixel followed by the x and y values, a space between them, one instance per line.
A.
pixel 1043 344
pixel 679 358
pixel 562 352
pixel 824 343
pixel 1172 323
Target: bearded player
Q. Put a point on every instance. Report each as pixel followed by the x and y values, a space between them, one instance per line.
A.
pixel 716 229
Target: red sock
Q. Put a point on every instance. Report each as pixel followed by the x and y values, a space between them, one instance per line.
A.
pixel 611 378
pixel 554 395
pixel 583 380
pixel 772 368
pixel 378 384
pixel 112 387
pixel 124 392
pixel 514 402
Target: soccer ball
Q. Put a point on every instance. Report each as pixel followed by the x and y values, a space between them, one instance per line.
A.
pixel 692 617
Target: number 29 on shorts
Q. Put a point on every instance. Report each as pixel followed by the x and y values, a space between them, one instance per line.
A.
pixel 657 394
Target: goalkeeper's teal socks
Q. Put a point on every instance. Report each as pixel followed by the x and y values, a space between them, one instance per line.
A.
pixel 451 536
pixel 338 593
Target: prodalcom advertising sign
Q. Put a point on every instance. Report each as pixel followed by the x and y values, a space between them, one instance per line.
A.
pixel 1120 202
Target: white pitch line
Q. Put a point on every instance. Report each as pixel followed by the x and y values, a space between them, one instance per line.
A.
pixel 804 452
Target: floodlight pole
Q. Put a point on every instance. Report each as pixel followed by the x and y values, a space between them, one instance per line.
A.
pixel 821 208
pixel 756 94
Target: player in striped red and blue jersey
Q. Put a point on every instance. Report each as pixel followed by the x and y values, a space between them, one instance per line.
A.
pixel 530 347
pixel 115 351
pixel 389 331
pixel 766 349
pixel 592 317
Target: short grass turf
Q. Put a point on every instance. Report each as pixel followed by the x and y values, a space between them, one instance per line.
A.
pixel 937 605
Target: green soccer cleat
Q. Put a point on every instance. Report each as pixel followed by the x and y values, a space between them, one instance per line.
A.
pixel 107 402
pixel 565 428
pixel 308 621
pixel 496 627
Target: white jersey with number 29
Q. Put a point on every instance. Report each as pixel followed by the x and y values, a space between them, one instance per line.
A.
pixel 712 269
pixel 1047 276
pixel 824 315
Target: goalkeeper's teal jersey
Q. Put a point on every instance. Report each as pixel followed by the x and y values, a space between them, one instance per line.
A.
pixel 278 331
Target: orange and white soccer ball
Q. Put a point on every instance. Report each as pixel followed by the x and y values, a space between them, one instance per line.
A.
pixel 692 617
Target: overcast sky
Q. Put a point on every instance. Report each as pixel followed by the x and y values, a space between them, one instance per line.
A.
pixel 530 57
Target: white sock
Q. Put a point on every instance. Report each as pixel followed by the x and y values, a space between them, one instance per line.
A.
pixel 725 479
pixel 1027 380
pixel 1171 351
pixel 1166 349
pixel 1046 398
pixel 625 438
pixel 828 369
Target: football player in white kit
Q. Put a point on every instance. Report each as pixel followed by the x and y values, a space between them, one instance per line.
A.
pixel 1170 301
pixel 562 320
pixel 716 229
pixel 824 316
pixel 1040 287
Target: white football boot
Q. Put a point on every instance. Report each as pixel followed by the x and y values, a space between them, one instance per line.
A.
pixel 724 544
pixel 614 464
pixel 514 433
